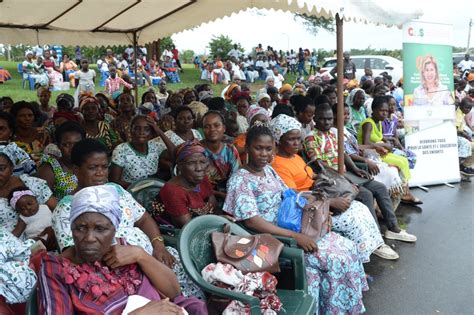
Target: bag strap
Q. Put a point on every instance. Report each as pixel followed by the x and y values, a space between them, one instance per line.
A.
pixel 229 252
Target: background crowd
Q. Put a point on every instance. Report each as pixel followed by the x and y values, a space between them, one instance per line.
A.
pixel 70 228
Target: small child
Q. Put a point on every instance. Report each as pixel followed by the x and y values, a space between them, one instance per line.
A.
pixel 34 219
pixel 114 83
pixel 86 79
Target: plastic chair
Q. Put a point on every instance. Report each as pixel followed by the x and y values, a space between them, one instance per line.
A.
pixel 144 192
pixel 196 252
pixel 29 79
pixel 32 303
pixel 104 75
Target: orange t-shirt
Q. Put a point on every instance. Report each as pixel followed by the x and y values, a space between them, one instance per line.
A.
pixel 239 143
pixel 294 172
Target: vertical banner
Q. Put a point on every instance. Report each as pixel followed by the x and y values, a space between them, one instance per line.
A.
pixel 429 102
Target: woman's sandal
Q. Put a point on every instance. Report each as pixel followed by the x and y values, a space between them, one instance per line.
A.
pixel 412 202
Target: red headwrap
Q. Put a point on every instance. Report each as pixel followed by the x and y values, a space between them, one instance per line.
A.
pixel 240 94
pixel 66 115
pixel 188 148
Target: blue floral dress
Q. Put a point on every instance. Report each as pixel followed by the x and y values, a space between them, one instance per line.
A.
pixel 335 275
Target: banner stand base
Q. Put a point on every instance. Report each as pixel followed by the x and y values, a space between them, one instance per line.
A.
pixel 449 185
pixel 426 189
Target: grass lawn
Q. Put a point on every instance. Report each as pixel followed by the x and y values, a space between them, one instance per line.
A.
pixel 189 78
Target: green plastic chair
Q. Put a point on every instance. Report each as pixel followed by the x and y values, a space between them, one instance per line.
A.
pixel 196 252
pixel 144 192
pixel 32 303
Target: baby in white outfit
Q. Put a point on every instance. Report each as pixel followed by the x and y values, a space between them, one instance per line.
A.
pixel 35 218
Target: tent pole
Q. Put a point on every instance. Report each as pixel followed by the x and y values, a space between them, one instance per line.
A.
pixel 340 95
pixel 135 56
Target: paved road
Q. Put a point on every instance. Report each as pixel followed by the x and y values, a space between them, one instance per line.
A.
pixel 435 275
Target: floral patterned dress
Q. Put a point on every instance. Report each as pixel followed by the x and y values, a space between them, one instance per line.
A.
pixel 137 165
pixel 17 280
pixel 335 273
pixel 132 211
pixel 177 140
pixel 64 182
pixel 8 216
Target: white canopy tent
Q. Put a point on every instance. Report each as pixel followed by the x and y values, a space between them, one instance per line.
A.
pixel 119 22
pixel 112 22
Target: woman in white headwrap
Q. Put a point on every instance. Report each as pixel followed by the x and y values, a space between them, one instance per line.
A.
pixel 100 272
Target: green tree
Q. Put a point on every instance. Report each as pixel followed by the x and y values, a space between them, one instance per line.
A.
pixel 166 43
pixel 187 56
pixel 221 45
pixel 314 23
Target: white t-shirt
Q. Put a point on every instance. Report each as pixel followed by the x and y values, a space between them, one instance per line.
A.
pixel 234 53
pixel 466 64
pixel 85 77
pixel 122 65
pixel 129 51
pixel 37 222
pixel 278 80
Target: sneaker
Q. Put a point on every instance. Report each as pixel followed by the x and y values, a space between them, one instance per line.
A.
pixel 400 236
pixel 467 171
pixel 386 252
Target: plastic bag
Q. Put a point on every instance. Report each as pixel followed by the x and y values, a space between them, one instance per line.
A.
pixel 291 211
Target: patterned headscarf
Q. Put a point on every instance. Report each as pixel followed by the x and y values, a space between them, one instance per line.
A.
pixel 187 149
pixel 228 93
pixel 66 115
pixel 102 199
pixel 255 110
pixel 282 124
pixel 285 88
pixel 199 109
pixel 14 153
pixel 350 98
pixel 86 99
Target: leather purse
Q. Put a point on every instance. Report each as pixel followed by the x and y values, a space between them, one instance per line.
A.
pixel 316 219
pixel 331 184
pixel 250 253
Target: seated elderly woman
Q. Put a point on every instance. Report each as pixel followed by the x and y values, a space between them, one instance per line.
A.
pixel 254 197
pixel 189 193
pixel 137 227
pixel 103 274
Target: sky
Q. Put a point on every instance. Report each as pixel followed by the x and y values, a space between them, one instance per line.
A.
pixel 280 30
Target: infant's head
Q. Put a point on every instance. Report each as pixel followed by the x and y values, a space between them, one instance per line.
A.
pixel 24 201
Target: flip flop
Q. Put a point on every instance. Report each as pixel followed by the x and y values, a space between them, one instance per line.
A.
pixel 412 202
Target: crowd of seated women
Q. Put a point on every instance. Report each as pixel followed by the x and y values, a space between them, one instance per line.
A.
pixel 70 228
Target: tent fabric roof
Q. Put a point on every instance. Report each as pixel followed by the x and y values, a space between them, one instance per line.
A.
pixel 112 22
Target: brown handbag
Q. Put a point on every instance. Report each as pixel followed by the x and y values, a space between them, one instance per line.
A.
pixel 316 219
pixel 332 184
pixel 250 253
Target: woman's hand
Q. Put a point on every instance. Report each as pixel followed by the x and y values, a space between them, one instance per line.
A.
pixel 373 167
pixel 50 241
pixel 306 242
pixel 162 255
pixel 362 173
pixel 120 255
pixel 341 204
pixel 154 127
pixel 381 150
pixel 159 307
